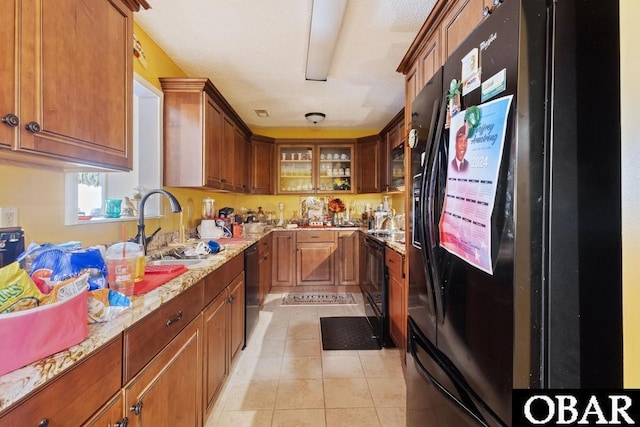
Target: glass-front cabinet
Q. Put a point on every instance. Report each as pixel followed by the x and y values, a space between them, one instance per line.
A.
pixel 315 168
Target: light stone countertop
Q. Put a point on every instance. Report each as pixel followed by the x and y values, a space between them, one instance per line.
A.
pixel 17 384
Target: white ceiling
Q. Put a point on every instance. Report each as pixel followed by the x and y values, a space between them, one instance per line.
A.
pixel 255 53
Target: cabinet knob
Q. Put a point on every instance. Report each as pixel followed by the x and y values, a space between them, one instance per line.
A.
pixel 33 127
pixel 43 422
pixel 122 423
pixel 11 119
pixel 137 408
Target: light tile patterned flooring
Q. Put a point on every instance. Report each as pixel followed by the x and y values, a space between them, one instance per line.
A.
pixel 284 378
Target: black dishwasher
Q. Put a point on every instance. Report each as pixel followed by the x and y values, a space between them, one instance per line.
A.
pixel 252 290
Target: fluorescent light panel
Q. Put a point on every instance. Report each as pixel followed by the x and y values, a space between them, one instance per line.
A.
pixel 326 20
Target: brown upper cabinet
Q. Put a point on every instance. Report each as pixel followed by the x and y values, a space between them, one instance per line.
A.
pixel 369 168
pixel 205 141
pixel 315 166
pixel 262 175
pixel 393 138
pixel 74 110
pixel 448 24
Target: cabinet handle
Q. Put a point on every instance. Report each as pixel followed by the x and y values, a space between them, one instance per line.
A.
pixel 173 320
pixel 33 127
pixel 231 299
pixel 11 119
pixel 137 408
pixel 315 237
pixel 43 422
pixel 122 423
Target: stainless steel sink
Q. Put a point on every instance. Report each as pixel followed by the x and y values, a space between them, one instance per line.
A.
pixel 165 261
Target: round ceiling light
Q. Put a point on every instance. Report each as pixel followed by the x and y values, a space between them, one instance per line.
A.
pixel 315 117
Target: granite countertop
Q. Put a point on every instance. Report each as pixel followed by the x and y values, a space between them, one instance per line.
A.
pixel 19 383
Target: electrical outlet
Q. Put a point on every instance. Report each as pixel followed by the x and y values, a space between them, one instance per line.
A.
pixel 8 217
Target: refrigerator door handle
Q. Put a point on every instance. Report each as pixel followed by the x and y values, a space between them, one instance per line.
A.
pixel 428 194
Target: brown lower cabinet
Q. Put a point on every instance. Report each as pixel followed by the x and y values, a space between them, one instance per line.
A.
pixel 167 369
pixel 284 258
pixel 223 322
pixel 315 258
pixel 264 267
pixel 168 390
pixel 315 263
pixel 73 397
pixel 394 262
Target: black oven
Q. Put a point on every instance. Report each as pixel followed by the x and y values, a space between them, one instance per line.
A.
pixel 375 293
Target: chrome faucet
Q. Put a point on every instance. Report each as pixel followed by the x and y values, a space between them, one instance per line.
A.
pixel 140 237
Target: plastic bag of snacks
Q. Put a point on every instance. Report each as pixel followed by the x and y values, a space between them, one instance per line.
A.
pixel 105 305
pixel 17 290
pixel 55 264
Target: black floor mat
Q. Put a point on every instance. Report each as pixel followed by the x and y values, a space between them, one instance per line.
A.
pixel 347 333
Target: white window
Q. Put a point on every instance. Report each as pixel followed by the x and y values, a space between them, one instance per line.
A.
pixel 86 192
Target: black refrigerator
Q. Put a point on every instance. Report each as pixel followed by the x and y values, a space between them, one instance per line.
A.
pixel 515 277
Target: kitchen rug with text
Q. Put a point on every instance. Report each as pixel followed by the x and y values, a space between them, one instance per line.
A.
pixel 318 298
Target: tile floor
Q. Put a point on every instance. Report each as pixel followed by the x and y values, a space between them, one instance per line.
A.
pixel 284 378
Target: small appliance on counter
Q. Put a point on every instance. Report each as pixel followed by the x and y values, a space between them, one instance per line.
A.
pixel 225 212
pixel 11 244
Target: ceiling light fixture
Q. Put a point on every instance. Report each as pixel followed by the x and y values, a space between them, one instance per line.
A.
pixel 326 20
pixel 315 117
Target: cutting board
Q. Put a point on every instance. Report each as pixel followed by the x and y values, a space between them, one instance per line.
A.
pixel 155 279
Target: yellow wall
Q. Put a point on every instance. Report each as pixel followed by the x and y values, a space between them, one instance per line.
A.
pixel 158 64
pixel 630 64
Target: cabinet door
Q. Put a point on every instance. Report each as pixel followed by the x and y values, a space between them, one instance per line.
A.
pixel 227 164
pixel 429 59
pixel 262 167
pixel 458 23
pixel 369 165
pixel 212 144
pixel 216 363
pixel 240 162
pixel 264 267
pixel 295 170
pixel 397 296
pixel 109 415
pixel 167 392
pixel 75 89
pixel 335 169
pixel 315 263
pixel 9 72
pixel 284 260
pixel 236 303
pixel 348 257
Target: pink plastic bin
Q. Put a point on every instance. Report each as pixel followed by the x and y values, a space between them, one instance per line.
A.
pixel 30 335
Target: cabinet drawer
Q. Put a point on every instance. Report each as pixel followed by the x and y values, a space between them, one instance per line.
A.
pixel 393 261
pixel 215 282
pixel 146 338
pixel 71 399
pixel 264 245
pixel 315 236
